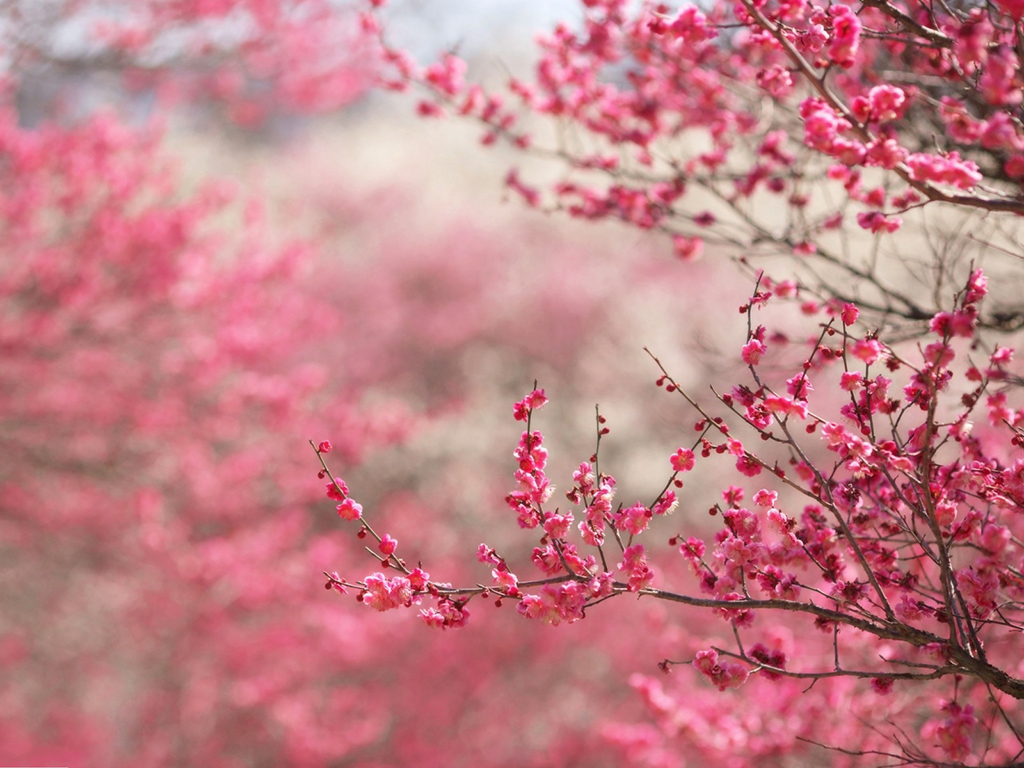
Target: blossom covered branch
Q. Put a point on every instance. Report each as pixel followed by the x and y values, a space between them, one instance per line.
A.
pixel 908 534
pixel 781 128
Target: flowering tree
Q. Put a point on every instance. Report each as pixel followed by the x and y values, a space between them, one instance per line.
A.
pixel 145 365
pixel 862 548
pixel 870 588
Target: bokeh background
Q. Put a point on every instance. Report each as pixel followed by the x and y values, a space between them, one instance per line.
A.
pixel 201 271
